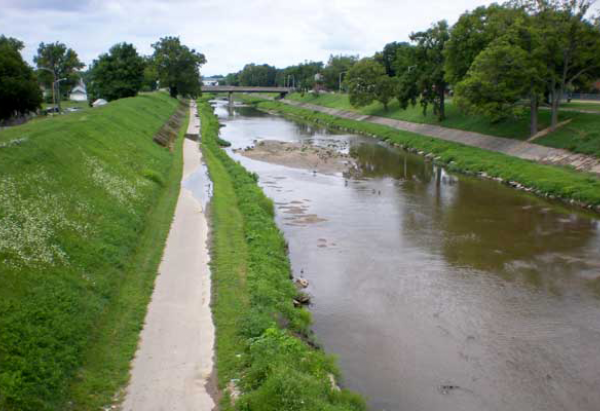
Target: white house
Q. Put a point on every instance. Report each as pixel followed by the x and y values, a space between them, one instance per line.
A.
pixel 79 92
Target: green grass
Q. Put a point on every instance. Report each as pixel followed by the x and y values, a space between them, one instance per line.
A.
pixel 261 338
pixel 578 137
pixel 545 180
pixel 580 105
pixel 86 205
pixel 581 135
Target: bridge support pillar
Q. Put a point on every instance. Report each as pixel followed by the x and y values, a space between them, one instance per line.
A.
pixel 230 99
pixel 282 95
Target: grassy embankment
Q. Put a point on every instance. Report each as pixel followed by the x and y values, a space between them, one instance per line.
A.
pixel 541 179
pixel 581 135
pixel 263 342
pixel 86 205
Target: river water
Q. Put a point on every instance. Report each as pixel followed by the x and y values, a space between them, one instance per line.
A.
pixel 436 291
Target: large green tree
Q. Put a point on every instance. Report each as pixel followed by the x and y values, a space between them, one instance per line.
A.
pixel 471 34
pixel 118 73
pixel 429 72
pixel 367 81
pixel 55 61
pixel 178 67
pixel 508 74
pixel 19 90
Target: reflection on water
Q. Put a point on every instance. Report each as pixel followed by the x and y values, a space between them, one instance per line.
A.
pixel 437 291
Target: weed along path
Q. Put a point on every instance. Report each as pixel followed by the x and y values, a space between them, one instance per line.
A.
pixel 174 361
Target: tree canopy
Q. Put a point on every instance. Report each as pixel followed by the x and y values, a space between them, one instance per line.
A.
pixel 117 74
pixel 19 90
pixel 367 81
pixel 56 61
pixel 178 67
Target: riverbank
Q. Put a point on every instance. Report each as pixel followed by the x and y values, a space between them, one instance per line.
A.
pixel 266 358
pixel 560 183
pixel 87 202
pixel 578 136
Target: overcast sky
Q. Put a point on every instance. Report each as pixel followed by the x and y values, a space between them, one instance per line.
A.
pixel 230 33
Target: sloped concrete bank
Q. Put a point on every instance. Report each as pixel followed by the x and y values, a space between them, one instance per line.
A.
pixel 515 148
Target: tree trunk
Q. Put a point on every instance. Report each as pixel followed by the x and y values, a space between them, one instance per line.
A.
pixel 442 108
pixel 173 91
pixel 533 116
pixel 556 97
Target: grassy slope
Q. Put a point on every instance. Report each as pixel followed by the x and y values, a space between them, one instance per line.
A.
pixel 579 136
pixel 545 180
pixel 257 326
pixel 79 248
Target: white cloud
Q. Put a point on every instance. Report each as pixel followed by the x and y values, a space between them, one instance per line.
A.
pixel 230 33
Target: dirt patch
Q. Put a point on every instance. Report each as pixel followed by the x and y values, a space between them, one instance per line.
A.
pixel 318 159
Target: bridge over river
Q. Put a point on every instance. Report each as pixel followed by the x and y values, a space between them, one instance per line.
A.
pixel 283 91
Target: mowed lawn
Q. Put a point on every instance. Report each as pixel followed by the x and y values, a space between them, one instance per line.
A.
pixel 580 136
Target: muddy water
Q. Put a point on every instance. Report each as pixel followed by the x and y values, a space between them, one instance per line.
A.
pixel 436 291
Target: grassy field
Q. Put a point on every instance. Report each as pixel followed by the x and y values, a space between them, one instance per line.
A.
pixel 86 204
pixel 262 340
pixel 580 136
pixel 541 179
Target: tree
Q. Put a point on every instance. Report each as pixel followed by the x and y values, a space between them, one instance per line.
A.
pixel 178 67
pixel 19 90
pixel 367 81
pixel 508 72
pixel 573 44
pixel 388 56
pixel 118 73
pixel 255 75
pixel 56 62
pixel 429 67
pixel 336 66
pixel 497 81
pixel 471 34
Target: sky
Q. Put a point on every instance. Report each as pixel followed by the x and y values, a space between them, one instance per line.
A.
pixel 230 33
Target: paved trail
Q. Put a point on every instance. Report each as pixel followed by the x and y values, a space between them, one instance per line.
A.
pixel 175 357
pixel 516 148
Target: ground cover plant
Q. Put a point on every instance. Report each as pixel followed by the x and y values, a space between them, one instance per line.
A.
pixel 550 181
pixel 86 203
pixel 263 345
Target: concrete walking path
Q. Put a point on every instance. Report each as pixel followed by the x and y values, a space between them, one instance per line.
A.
pixel 516 148
pixel 174 360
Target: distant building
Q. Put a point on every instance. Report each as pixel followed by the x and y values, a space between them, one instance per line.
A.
pixel 79 92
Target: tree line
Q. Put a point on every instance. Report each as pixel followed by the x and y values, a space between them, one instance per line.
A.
pixel 501 61
pixel 120 72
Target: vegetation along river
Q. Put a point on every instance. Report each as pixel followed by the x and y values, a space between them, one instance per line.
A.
pixel 436 291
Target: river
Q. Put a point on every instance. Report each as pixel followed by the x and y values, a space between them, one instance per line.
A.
pixel 436 291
